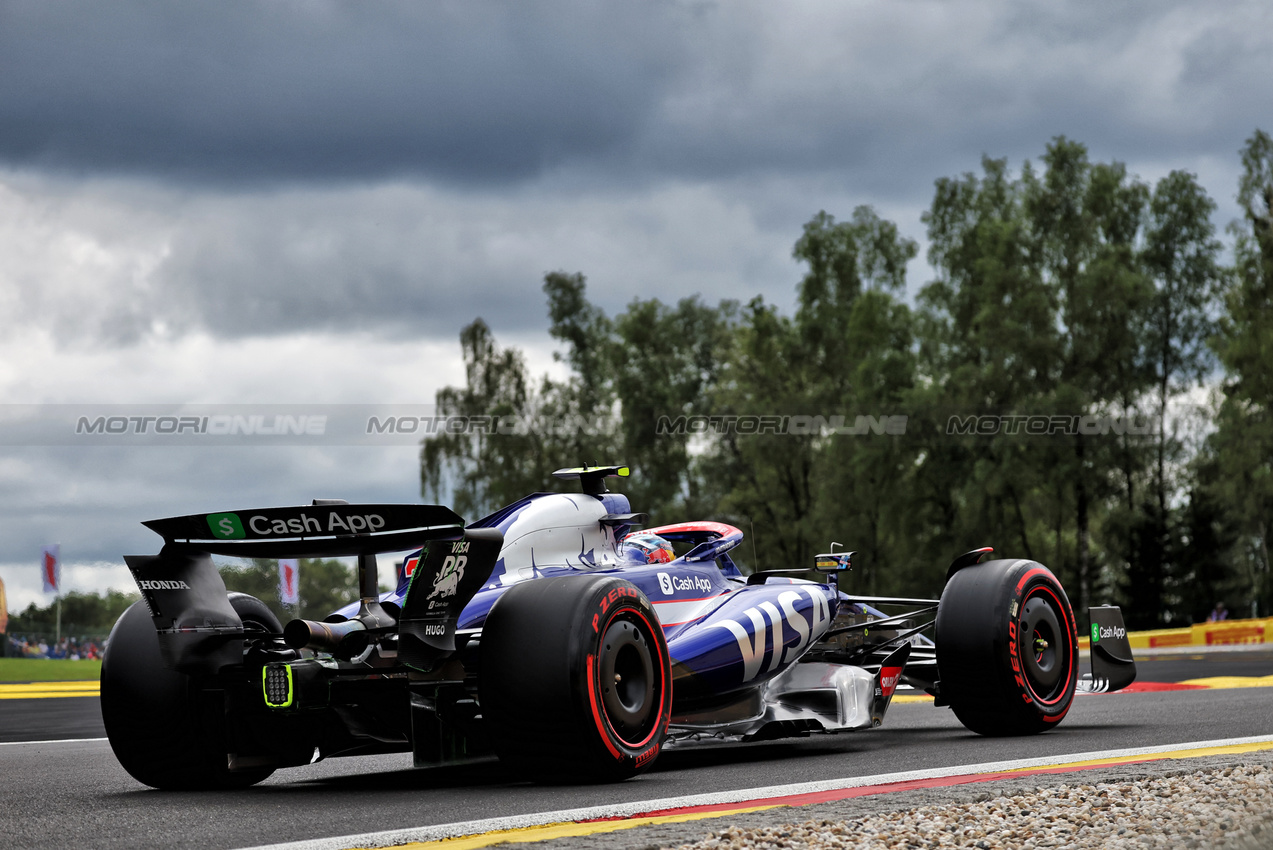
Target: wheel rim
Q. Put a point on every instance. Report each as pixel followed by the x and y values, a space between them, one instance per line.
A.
pixel 627 679
pixel 1043 647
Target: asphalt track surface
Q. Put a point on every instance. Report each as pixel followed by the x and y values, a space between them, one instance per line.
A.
pixel 72 793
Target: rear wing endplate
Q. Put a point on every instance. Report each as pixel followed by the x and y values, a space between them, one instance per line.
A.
pixel 447 577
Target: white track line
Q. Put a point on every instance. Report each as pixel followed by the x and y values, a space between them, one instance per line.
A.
pixel 393 837
pixel 60 741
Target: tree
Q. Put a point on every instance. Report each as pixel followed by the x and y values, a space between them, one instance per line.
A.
pixel 855 341
pixel 865 478
pixel 649 365
pixel 490 452
pixel 584 406
pixel 795 475
pixel 766 474
pixel 990 346
pixel 1243 441
pixel 83 614
pixel 1210 545
pixel 1180 258
pixel 1043 308
pixel 1085 221
pixel 326 584
pixel 665 361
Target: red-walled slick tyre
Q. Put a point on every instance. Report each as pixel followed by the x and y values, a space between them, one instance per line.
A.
pixel 575 679
pixel 1007 648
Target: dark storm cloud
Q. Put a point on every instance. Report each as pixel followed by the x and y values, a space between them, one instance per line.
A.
pixel 53 506
pixel 242 90
pixel 337 273
pixel 405 167
pixel 889 94
pixel 194 194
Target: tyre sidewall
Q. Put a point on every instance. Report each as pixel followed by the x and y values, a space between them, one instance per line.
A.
pixel 1051 704
pixel 979 625
pixel 540 684
pixel 608 603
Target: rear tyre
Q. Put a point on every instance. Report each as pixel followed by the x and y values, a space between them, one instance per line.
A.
pixel 164 726
pixel 1007 648
pixel 576 681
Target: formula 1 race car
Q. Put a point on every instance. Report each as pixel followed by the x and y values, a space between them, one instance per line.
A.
pixel 553 636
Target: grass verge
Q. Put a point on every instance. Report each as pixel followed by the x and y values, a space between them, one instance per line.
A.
pixel 48 670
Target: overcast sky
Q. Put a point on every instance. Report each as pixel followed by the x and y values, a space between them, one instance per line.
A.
pixel 248 203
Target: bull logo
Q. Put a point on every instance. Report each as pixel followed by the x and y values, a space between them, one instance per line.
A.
pixel 447 581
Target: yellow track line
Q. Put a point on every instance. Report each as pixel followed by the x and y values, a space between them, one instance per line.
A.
pixel 1232 682
pixel 45 690
pixel 1199 752
pixel 1214 682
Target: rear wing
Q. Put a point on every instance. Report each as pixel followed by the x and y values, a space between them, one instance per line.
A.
pixel 310 531
pixel 199 631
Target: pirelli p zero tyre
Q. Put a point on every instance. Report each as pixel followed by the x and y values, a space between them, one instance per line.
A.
pixel 575 679
pixel 1007 648
pixel 163 724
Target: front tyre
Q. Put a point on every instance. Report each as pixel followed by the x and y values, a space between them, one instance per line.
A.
pixel 163 725
pixel 1007 648
pixel 575 679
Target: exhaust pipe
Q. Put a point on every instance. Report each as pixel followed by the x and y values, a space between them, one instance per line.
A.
pixel 347 638
pixel 351 637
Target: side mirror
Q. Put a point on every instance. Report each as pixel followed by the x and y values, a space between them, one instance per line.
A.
pixel 834 562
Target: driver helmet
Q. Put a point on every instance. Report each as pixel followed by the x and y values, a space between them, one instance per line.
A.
pixel 643 548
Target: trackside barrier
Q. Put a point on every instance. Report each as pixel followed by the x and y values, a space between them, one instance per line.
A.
pixel 1223 633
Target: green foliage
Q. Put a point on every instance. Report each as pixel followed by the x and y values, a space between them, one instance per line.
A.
pixel 1074 290
pixel 325 584
pixel 627 372
pixel 83 614
pixel 847 353
pixel 1241 448
pixel 479 469
pixel 1069 290
pixel 665 360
